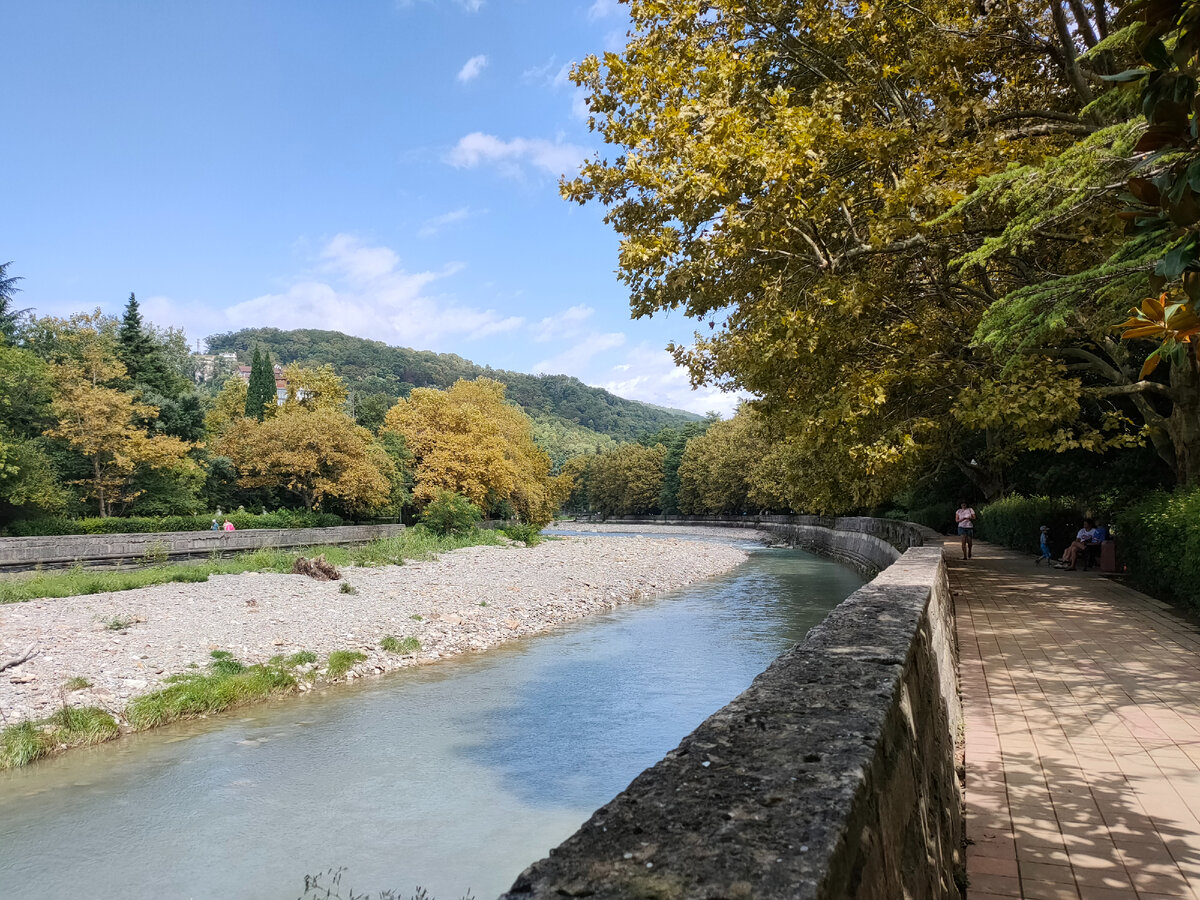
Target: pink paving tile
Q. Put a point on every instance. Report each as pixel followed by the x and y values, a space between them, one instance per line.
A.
pixel 1087 694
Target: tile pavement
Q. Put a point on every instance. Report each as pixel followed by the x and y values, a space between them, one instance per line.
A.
pixel 1082 707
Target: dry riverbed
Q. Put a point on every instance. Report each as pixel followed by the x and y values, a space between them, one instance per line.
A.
pixel 468 599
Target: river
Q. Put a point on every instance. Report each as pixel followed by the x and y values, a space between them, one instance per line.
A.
pixel 453 776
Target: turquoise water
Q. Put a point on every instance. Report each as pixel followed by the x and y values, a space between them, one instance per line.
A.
pixel 454 776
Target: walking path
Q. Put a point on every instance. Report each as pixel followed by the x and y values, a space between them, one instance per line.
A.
pixel 1082 706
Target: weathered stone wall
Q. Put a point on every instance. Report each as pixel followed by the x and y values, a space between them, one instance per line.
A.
pixel 831 776
pixel 26 552
pixel 869 545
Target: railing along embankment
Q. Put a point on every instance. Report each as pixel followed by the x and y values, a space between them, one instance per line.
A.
pixel 115 549
pixel 832 775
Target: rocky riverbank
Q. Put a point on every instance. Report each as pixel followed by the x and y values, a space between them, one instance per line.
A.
pixel 126 644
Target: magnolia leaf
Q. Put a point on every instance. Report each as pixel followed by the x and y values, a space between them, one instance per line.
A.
pixel 1150 364
pixel 1127 75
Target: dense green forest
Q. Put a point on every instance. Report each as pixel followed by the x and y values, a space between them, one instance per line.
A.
pixel 375 370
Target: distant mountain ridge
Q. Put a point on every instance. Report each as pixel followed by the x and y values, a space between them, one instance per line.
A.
pixel 373 367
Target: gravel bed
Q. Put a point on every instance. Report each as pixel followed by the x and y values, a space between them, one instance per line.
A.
pixel 728 532
pixel 468 599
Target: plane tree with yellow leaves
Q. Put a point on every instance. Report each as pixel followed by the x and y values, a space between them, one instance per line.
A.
pixel 469 440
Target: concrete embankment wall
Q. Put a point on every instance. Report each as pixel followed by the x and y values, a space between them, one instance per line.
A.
pixel 107 549
pixel 831 776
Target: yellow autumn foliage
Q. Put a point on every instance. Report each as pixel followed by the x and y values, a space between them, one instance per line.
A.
pixel 469 440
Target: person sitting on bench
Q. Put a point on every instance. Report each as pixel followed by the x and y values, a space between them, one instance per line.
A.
pixel 1086 538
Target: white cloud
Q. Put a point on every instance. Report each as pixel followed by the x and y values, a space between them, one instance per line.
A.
pixel 471 68
pixel 432 226
pixel 564 325
pixel 477 148
pixel 535 74
pixel 651 376
pixel 602 9
pixel 357 289
pixel 468 5
pixel 570 361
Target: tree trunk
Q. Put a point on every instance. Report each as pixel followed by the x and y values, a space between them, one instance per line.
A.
pixel 99 488
pixel 1184 422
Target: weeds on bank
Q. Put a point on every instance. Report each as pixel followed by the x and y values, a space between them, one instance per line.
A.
pixel 78 683
pixel 328 886
pixel 416 544
pixel 69 727
pixel 225 684
pixel 119 623
pixel 342 661
pixel 405 646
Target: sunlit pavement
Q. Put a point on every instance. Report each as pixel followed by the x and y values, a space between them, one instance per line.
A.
pixel 1082 706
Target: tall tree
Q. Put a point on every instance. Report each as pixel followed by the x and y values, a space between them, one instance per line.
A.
pixel 260 395
pixel 141 354
pixel 317 454
pixel 10 317
pixel 103 424
pixel 782 170
pixel 470 441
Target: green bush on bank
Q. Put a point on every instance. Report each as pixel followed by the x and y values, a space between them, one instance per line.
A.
pixel 1015 522
pixel 56 525
pixel 450 513
pixel 1159 541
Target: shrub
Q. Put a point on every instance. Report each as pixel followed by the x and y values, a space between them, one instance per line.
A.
pixel 450 513
pixel 1015 522
pixel 938 516
pixel 1159 540
pixel 530 535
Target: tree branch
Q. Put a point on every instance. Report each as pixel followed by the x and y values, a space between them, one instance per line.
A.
pixel 917 240
pixel 1034 114
pixel 29 653
pixel 1136 387
pixel 1069 58
pixel 1048 128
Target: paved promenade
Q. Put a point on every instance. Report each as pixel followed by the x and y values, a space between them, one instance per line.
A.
pixel 1082 705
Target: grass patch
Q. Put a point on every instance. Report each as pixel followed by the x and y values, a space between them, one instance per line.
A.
pixel 342 661
pixel 78 683
pixel 69 727
pixel 118 623
pixel 416 543
pixel 227 683
pixel 347 588
pixel 405 646
pixel 417 618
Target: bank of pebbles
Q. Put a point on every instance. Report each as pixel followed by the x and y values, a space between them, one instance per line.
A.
pixel 468 599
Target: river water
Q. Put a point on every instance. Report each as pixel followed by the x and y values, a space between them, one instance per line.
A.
pixel 453 777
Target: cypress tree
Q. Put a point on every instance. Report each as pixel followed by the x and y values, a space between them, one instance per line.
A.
pixel 262 384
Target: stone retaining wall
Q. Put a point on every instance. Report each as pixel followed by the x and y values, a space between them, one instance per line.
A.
pixel 65 550
pixel 831 776
pixel 869 545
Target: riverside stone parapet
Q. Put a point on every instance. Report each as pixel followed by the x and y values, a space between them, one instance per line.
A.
pixel 832 775
pixel 108 549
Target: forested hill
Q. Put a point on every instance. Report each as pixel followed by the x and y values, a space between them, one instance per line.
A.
pixel 373 367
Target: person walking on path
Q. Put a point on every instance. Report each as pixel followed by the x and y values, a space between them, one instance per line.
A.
pixel 1044 543
pixel 965 517
pixel 229 526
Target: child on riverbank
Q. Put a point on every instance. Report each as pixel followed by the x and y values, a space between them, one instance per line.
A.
pixel 1044 543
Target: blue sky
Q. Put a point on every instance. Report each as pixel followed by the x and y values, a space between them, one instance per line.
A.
pixel 387 168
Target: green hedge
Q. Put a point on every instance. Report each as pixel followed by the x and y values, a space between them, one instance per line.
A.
pixel 1158 539
pixel 146 525
pixel 1015 522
